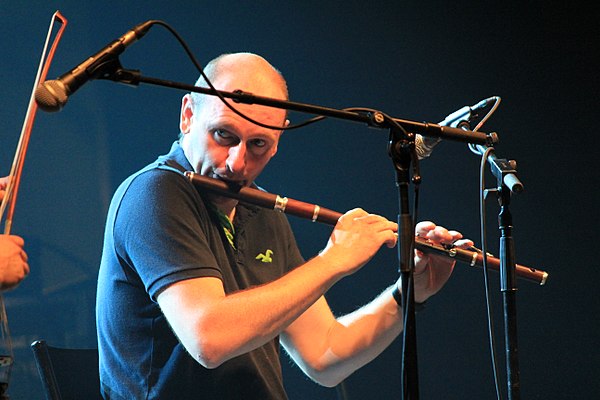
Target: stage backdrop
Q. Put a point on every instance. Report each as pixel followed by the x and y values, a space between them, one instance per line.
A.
pixel 413 60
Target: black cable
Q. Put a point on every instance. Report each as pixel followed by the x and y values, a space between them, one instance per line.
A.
pixel 483 229
pixel 220 96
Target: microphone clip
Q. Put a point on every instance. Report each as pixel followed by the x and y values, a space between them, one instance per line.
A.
pixel 130 77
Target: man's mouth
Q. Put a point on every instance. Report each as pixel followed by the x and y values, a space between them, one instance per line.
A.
pixel 230 182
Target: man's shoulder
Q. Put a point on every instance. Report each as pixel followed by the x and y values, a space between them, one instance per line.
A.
pixel 152 183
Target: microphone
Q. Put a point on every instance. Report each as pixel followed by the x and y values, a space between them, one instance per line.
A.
pixel 424 145
pixel 52 95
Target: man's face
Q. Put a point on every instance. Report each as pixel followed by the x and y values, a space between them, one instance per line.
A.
pixel 221 144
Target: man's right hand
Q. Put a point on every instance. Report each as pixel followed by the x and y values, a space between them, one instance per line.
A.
pixel 356 238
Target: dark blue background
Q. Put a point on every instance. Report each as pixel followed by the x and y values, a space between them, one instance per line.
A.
pixel 413 60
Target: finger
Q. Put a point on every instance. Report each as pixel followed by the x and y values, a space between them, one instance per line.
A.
pixel 464 243
pixel 439 234
pixel 353 214
pixel 424 227
pixel 382 224
pixel 356 212
pixel 419 256
pixel 391 240
pixel 377 223
pixel 371 218
pixel 18 240
pixel 455 235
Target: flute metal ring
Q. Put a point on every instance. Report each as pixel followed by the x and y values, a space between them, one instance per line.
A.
pixel 316 211
pixel 280 203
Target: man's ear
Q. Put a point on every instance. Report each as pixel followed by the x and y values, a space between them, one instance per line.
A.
pixel 187 112
pixel 274 149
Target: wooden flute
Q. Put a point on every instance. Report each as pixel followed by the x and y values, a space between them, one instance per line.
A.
pixel 320 214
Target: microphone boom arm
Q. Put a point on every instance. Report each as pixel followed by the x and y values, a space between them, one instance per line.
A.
pixel 375 119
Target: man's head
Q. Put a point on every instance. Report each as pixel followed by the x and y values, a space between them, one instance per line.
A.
pixel 236 63
pixel 221 144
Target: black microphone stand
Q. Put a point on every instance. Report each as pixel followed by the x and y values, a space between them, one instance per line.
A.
pixel 402 151
pixel 505 174
pixel 507 183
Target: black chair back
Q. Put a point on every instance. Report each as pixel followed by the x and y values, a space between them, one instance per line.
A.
pixel 67 374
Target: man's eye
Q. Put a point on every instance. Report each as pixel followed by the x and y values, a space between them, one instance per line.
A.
pixel 223 136
pixel 259 143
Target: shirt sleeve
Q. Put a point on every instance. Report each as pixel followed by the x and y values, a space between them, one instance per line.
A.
pixel 161 231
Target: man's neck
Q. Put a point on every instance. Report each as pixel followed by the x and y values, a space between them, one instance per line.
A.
pixel 227 208
pixel 231 214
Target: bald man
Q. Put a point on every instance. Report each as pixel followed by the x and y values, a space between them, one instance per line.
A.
pixel 196 292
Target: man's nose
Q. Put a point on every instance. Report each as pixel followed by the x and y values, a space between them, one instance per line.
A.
pixel 236 159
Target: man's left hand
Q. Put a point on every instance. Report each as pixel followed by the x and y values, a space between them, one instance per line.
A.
pixel 433 271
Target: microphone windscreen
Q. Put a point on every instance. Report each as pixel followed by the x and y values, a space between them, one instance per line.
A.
pixel 51 96
pixel 424 145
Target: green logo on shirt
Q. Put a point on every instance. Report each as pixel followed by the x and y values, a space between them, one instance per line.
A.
pixel 266 258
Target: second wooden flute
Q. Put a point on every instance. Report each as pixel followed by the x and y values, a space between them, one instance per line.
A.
pixel 330 217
